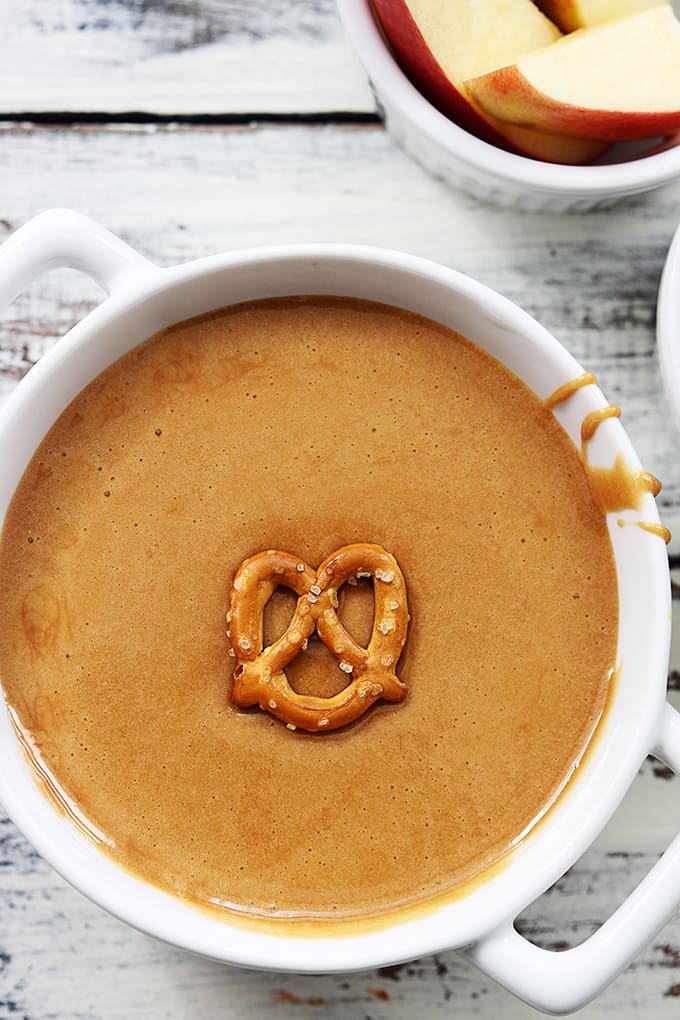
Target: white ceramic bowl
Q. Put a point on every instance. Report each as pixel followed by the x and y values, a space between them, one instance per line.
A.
pixel 477 167
pixel 143 299
pixel 668 327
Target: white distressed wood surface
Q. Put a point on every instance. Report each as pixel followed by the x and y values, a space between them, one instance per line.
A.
pixel 182 57
pixel 182 192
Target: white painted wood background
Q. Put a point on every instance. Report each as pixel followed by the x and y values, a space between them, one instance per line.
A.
pixel 255 125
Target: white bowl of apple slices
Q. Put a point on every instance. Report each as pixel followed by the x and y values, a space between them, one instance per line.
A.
pixel 543 104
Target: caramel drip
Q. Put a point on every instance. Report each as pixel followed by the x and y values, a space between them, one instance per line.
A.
pixel 567 390
pixel 595 418
pixel 653 529
pixel 619 487
pixel 654 485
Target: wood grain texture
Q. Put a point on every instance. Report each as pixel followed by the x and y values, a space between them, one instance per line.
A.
pixel 178 57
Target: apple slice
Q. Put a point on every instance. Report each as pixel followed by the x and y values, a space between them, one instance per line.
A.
pixel 548 147
pixel 440 44
pixel 619 81
pixel 572 14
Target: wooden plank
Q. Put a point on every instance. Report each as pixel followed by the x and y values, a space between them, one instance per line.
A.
pixel 184 57
pixel 590 278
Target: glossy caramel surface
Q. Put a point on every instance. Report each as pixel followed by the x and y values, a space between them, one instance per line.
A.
pixel 304 425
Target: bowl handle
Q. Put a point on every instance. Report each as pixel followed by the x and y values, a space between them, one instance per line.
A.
pixel 562 982
pixel 62 237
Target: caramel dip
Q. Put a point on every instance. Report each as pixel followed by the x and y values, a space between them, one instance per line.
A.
pixel 306 425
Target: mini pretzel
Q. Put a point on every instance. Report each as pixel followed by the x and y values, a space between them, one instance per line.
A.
pixel 259 676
